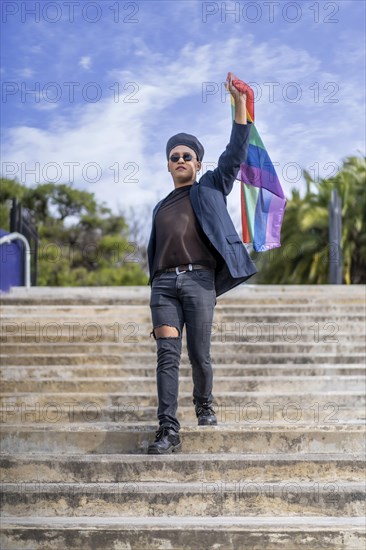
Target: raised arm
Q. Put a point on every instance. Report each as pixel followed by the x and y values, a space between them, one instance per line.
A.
pixel 237 148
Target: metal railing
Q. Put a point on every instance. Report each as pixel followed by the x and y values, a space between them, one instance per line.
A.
pixel 12 237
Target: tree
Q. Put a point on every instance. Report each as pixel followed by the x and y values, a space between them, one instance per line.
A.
pixel 81 242
pixel 304 255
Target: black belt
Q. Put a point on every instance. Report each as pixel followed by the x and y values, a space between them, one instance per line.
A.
pixel 183 268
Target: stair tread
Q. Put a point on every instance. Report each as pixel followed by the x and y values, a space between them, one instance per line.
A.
pixel 183 457
pixel 233 377
pixel 312 523
pixel 173 486
pixel 229 394
pixel 148 426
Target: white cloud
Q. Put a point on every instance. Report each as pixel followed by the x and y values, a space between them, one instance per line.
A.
pixel 85 62
pixel 46 106
pixel 36 49
pixel 27 72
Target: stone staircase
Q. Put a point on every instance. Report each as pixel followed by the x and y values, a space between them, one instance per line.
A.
pixel 284 468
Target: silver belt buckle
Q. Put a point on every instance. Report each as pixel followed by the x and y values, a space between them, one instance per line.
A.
pixel 190 268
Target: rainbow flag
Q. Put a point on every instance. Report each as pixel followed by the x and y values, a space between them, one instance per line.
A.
pixel 263 202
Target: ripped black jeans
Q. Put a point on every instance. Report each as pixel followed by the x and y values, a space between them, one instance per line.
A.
pixel 188 298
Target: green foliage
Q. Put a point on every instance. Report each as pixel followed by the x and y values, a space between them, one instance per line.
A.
pixel 8 190
pixel 304 255
pixel 81 242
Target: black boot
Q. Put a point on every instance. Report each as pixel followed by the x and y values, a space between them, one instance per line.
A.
pixel 166 441
pixel 205 414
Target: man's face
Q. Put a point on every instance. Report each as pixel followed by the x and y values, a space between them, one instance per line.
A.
pixel 183 171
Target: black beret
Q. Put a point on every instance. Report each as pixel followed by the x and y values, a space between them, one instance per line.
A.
pixel 189 141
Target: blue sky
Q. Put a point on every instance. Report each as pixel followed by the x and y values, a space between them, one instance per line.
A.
pixel 114 80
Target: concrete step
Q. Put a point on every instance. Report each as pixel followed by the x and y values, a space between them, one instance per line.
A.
pixel 224 383
pixel 317 320
pixel 67 372
pixel 230 357
pixel 142 346
pixel 182 467
pixel 134 438
pixel 184 533
pixel 257 305
pixel 229 402
pixel 14 318
pixel 252 333
pixel 122 297
pixel 139 295
pixel 274 302
pixel 257 300
pixel 101 294
pixel 250 412
pixel 132 498
pixel 253 307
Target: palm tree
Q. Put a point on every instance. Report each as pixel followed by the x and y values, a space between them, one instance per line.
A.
pixel 304 255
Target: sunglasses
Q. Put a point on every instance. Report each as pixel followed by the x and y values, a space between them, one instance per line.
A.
pixel 186 157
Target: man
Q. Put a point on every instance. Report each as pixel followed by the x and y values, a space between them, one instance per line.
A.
pixel 195 255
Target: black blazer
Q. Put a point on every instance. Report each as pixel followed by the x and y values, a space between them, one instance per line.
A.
pixel 208 199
